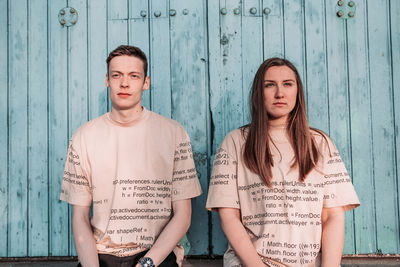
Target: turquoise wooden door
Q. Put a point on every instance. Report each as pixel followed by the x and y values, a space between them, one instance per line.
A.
pixel 203 56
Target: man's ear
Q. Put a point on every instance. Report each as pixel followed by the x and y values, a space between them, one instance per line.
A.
pixel 146 84
pixel 107 81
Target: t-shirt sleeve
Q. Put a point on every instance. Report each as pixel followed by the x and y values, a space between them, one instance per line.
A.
pixel 185 183
pixel 76 184
pixel 223 191
pixel 338 188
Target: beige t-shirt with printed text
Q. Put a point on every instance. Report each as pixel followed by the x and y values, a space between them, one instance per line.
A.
pixel 131 173
pixel 283 222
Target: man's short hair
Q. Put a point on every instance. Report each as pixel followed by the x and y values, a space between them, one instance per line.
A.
pixel 128 50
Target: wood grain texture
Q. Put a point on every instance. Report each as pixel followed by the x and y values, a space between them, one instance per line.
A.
pixel 58 130
pixel 139 35
pixel 18 129
pixel 383 127
pixel 361 135
pixel 38 212
pixel 160 61
pixel 189 102
pixel 394 9
pixel 339 122
pixel 4 139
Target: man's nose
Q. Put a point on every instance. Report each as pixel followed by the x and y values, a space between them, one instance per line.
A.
pixel 124 81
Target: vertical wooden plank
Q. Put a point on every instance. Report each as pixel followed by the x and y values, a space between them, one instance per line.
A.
pixel 18 62
pixel 226 103
pixel 395 51
pixel 273 32
pixel 160 61
pixel 37 126
pixel 97 54
pixel 117 23
pixel 252 51
pixel 294 35
pixel 217 239
pixel 139 35
pixel 361 136
pixel 316 85
pixel 382 128
pixel 78 81
pixel 118 10
pixel 58 129
pixel 3 127
pixel 338 98
pixel 189 101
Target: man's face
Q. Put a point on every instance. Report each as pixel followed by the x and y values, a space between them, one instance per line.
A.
pixel 126 79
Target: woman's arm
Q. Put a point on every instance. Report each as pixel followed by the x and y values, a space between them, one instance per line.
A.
pixel 238 237
pixel 332 236
pixel 83 237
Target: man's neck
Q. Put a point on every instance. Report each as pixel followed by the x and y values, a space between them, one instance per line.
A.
pixel 126 116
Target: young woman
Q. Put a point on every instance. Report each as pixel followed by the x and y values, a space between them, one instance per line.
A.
pixel 280 187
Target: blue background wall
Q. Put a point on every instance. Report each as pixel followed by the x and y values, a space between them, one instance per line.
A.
pixel 203 56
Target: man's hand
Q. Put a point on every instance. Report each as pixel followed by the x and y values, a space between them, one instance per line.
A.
pixel 83 237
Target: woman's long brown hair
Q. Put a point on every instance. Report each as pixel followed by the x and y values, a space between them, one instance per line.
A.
pixel 257 151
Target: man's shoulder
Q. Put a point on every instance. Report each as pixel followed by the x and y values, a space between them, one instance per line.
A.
pixel 164 122
pixel 92 126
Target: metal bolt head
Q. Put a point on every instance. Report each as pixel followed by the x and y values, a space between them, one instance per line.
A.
pixel 143 13
pixel 340 3
pixel 351 4
pixel 351 14
pixel 157 13
pixel 223 11
pixel 72 10
pixel 253 10
pixel 267 11
pixel 236 11
pixel 63 22
pixel 172 12
pixel 340 13
pixel 185 11
pixel 74 21
pixel 62 12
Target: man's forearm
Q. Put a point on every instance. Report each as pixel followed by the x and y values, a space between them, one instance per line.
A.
pixel 83 238
pixel 172 233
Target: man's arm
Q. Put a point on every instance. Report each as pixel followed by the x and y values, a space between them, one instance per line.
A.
pixel 173 231
pixel 83 237
pixel 238 237
pixel 332 236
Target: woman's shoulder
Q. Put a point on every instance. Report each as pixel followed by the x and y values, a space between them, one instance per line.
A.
pixel 323 141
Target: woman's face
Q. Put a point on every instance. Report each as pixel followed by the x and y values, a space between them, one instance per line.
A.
pixel 280 93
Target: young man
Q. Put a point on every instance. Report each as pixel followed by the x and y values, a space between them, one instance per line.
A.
pixel 136 168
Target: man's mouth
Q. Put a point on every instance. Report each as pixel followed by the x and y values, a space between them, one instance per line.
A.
pixel 124 95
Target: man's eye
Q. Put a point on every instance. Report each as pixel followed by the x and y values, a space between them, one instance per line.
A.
pixel 115 76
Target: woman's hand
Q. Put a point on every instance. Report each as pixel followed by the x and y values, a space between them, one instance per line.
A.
pixel 238 237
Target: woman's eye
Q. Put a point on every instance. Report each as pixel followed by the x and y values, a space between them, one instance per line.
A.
pixel 288 84
pixel 267 85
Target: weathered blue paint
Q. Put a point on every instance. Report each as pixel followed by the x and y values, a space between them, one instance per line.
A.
pixel 361 135
pixel 37 130
pixel 18 129
pixel 201 66
pixel 383 127
pixel 58 85
pixel 3 128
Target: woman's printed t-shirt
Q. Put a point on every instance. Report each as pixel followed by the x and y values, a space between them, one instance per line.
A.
pixel 283 222
pixel 131 173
